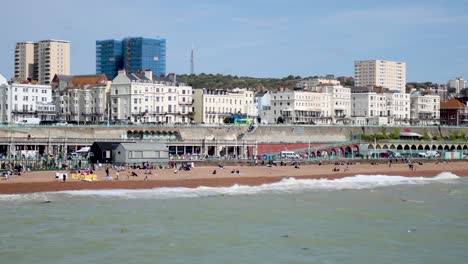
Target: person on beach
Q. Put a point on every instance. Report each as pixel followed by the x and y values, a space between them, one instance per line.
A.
pixel 117 175
pixel 147 174
pixel 107 171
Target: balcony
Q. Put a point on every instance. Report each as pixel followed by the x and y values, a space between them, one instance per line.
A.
pixel 185 103
pixel 22 111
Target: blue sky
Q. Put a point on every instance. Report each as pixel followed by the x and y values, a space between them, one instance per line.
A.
pixel 261 38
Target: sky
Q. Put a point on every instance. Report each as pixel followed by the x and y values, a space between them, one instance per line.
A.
pixel 259 38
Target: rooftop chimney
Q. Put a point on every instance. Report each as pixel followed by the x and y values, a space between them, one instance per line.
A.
pixel 149 74
pixel 121 71
pixel 172 77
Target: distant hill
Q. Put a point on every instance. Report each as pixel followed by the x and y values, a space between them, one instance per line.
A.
pixel 219 81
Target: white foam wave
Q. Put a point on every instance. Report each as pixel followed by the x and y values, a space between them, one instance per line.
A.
pixel 289 185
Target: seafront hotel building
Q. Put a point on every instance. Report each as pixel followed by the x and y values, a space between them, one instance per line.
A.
pixel 142 97
pixel 213 106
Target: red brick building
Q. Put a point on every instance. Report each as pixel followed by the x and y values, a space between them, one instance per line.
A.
pixel 453 113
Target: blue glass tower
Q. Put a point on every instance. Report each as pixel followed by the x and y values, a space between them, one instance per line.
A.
pixel 132 54
pixel 109 57
pixel 145 53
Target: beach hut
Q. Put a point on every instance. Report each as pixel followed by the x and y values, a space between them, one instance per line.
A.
pixel 129 153
pixel 101 152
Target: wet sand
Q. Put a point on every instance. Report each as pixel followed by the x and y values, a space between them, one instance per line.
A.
pixel 31 182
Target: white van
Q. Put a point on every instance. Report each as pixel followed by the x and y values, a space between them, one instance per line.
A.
pixel 289 155
pixel 29 121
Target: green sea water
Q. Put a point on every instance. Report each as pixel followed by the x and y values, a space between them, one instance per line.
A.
pixel 295 221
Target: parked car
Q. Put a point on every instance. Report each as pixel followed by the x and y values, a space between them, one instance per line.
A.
pixel 429 154
pixel 61 123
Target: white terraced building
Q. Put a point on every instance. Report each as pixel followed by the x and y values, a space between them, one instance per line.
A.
pixel 144 98
pixel 213 106
pixel 425 109
pixel 81 98
pixel 323 105
pixel 263 104
pixel 369 108
pixel 297 107
pixel 25 100
pixel 340 102
pixel 308 84
pixel 398 108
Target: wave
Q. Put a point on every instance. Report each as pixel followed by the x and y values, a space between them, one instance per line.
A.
pixel 289 185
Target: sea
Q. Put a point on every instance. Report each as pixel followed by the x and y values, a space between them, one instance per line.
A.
pixel 358 219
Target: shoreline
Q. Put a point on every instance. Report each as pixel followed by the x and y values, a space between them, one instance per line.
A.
pixel 34 182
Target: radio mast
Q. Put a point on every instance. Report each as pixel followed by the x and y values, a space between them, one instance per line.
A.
pixel 192 62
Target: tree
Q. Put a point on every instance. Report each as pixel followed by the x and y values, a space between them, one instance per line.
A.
pixel 462 135
pixel 384 132
pixel 453 135
pixel 395 133
pixel 228 120
pixel 464 92
pixel 425 136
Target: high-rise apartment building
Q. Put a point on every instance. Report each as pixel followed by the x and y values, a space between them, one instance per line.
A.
pixel 131 54
pixel 458 84
pixel 41 60
pixel 24 60
pixel 386 74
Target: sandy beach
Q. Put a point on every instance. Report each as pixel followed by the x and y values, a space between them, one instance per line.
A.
pixel 45 181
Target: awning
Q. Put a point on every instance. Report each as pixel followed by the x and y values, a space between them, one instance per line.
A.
pixel 83 150
pixel 409 134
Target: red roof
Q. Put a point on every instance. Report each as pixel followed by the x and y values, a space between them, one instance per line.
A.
pixel 451 104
